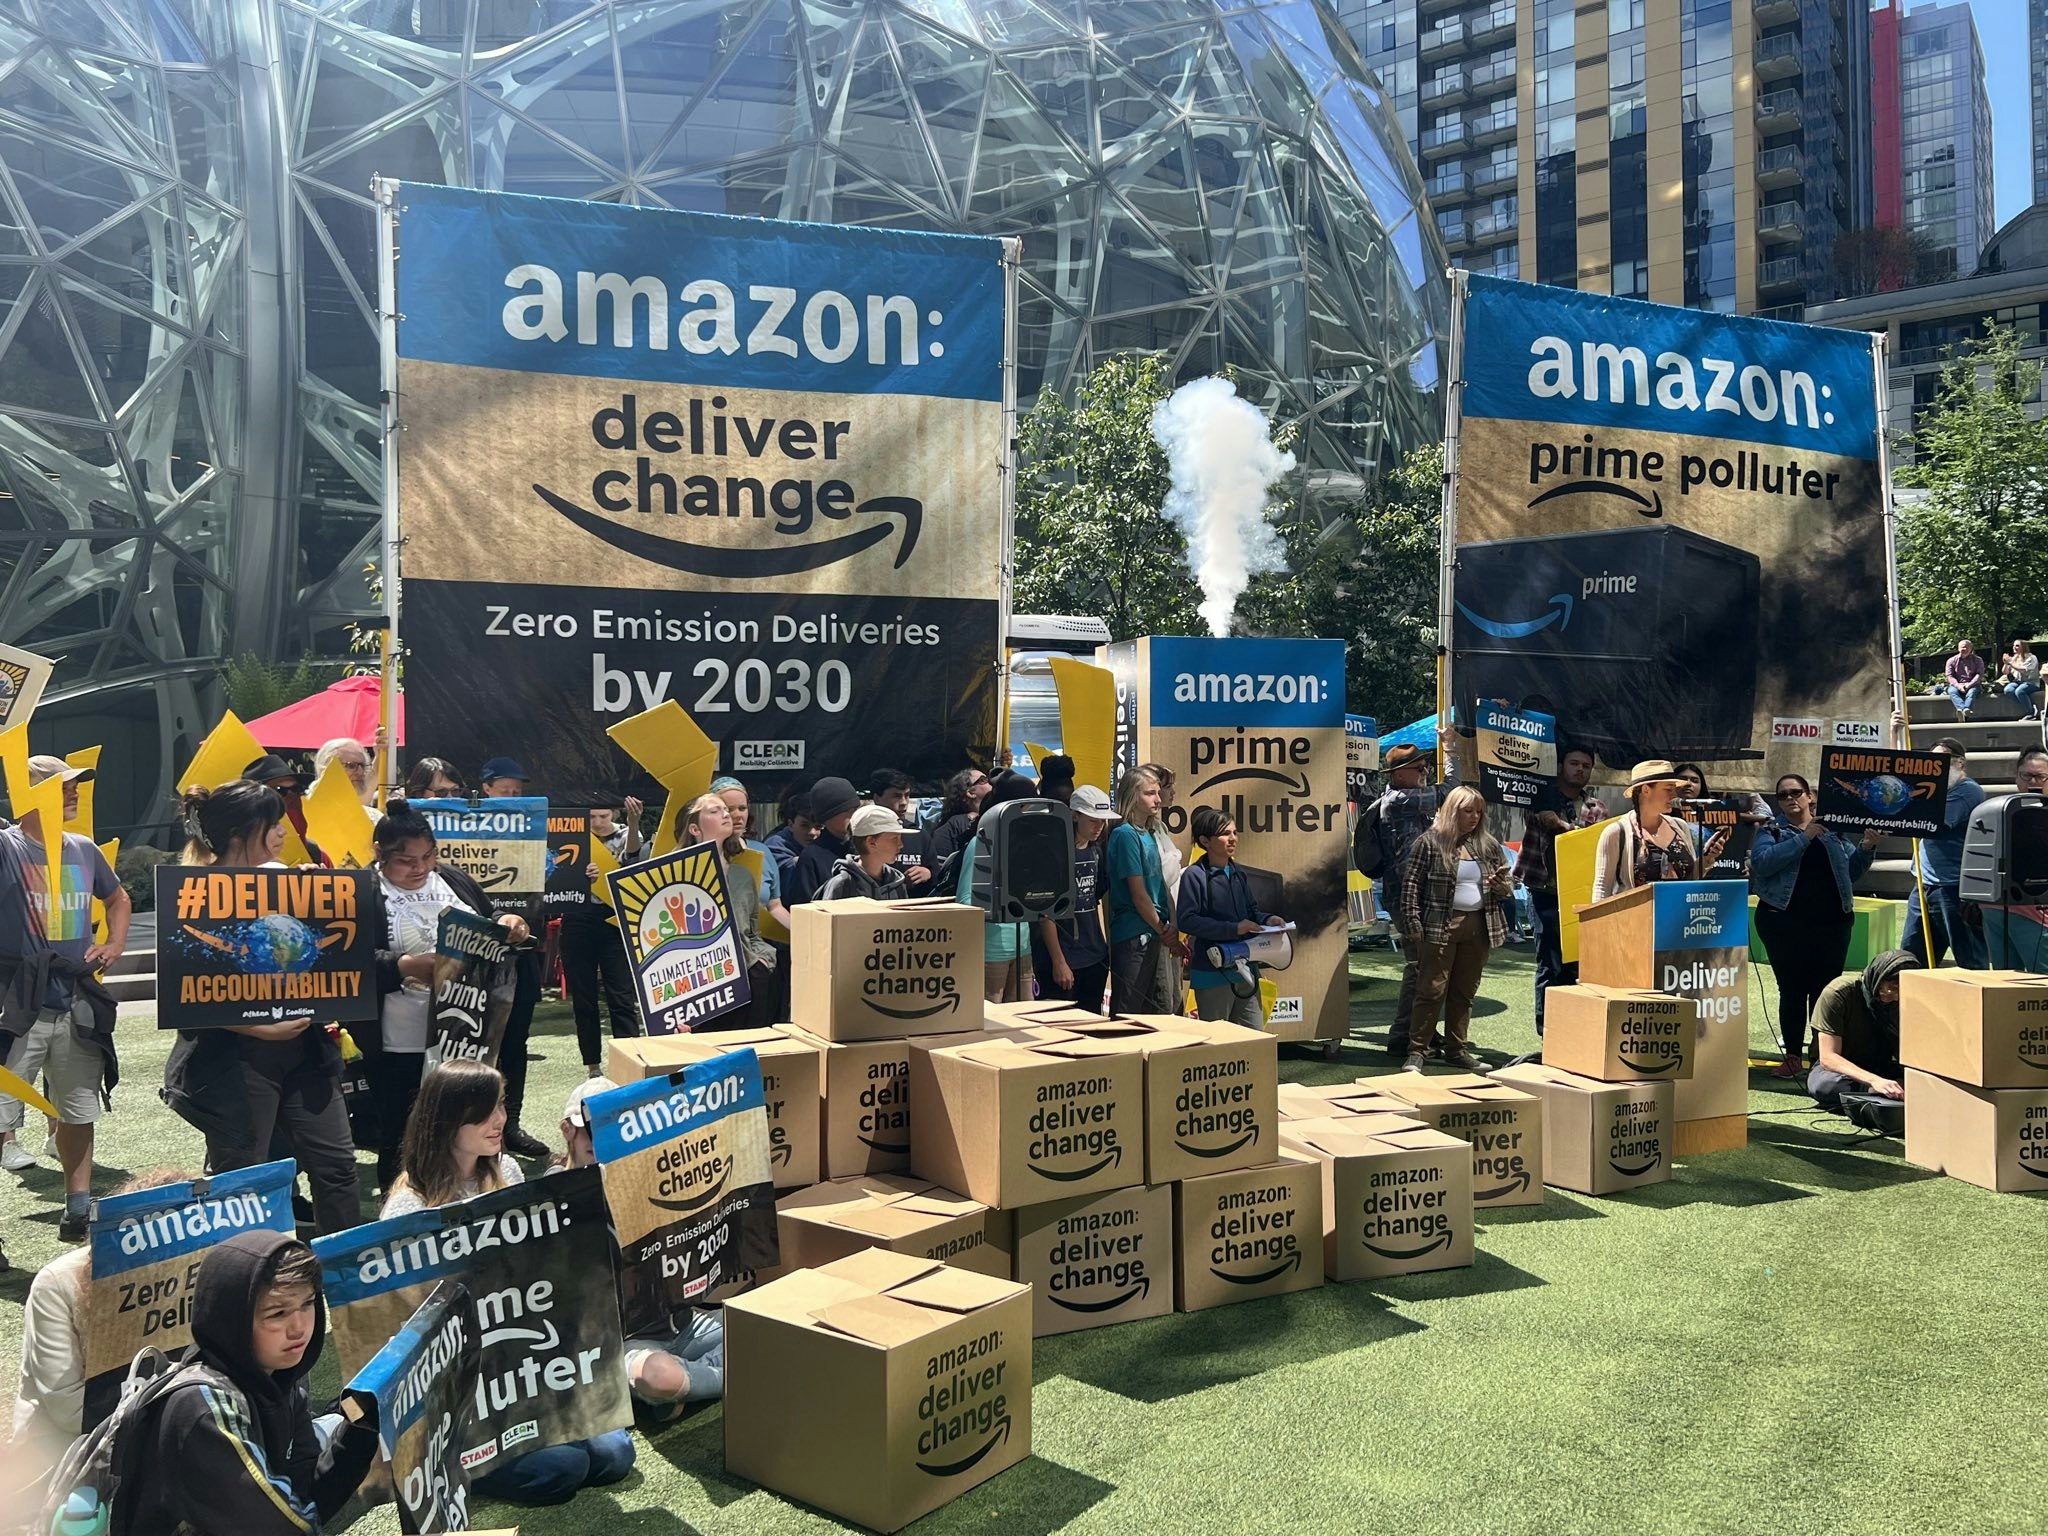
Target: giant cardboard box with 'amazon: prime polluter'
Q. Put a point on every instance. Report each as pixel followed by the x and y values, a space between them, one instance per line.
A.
pixel 879 1386
pixel 881 970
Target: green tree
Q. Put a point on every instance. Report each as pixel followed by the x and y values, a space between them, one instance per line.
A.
pixel 1090 538
pixel 1369 577
pixel 1973 553
pixel 256 687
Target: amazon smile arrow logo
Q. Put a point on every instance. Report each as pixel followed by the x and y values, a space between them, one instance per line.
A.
pixel 1296 785
pixel 1649 506
pixel 1292 1261
pixel 955 1468
pixel 735 563
pixel 1644 1066
pixel 1560 614
pixel 1142 1288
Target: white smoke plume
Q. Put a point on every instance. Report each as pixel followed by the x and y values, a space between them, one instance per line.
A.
pixel 1221 452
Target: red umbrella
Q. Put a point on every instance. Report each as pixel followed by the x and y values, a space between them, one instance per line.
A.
pixel 347 708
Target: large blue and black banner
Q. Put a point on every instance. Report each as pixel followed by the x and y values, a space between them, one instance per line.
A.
pixel 1670 527
pixel 750 465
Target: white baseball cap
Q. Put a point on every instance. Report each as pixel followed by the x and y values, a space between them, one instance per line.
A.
pixel 1087 800
pixel 573 1111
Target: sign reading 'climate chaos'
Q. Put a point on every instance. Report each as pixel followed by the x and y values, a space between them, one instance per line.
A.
pixel 256 946
pixel 1648 499
pixel 751 465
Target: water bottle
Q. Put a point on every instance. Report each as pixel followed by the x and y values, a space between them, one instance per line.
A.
pixel 82 1515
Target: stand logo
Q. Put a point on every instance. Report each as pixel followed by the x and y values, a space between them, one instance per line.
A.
pixel 783 512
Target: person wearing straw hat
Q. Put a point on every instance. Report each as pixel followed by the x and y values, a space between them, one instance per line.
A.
pixel 1650 843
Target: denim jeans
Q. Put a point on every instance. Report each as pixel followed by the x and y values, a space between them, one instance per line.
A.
pixel 699 1344
pixel 556 1475
pixel 1947 928
pixel 1962 698
pixel 2026 695
pixel 1551 969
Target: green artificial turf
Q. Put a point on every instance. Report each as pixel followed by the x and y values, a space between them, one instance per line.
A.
pixel 1805 1336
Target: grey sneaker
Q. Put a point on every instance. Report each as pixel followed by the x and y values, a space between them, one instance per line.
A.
pixel 1414 1061
pixel 1465 1061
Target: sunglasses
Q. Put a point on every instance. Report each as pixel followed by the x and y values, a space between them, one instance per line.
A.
pixel 1790 794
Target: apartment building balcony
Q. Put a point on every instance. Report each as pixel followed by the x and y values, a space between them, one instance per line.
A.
pixel 1778 58
pixel 1490 229
pixel 1492 79
pixel 1781 221
pixel 1776 13
pixel 1781 167
pixel 1778 112
pixel 1450 139
pixel 1451 186
pixel 1456 233
pixel 1779 274
pixel 1496 178
pixel 1446 89
pixel 1496 129
pixel 1490 27
pixel 1425 8
pixel 1445 39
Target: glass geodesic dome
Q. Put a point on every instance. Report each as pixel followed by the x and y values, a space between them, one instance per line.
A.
pixel 188 376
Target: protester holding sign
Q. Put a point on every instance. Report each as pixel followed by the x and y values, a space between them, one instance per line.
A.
pixel 1939 863
pixel 709 820
pixel 239 1084
pixel 1452 894
pixel 594 963
pixel 413 890
pixel 56 1020
pixel 503 779
pixel 420 1392
pixel 1804 875
pixel 234 1447
pixel 1648 844
pixel 356 761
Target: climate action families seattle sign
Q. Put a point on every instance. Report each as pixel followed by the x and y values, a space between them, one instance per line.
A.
pixel 751 465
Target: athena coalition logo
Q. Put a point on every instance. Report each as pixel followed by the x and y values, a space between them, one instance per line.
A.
pixel 657 491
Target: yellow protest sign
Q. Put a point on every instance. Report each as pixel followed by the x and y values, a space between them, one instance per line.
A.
pixel 42 810
pixel 1574 854
pixel 668 744
pixel 14 762
pixel 230 748
pixel 89 759
pixel 338 821
pixel 111 852
pixel 751 860
pixel 15 1088
pixel 602 861
pixel 1087 696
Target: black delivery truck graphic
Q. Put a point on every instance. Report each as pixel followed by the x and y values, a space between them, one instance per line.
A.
pixel 1644 639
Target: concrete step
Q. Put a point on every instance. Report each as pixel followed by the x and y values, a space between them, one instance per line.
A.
pixel 133 986
pixel 1928 709
pixel 1891 878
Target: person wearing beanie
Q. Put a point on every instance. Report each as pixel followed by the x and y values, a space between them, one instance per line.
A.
pixel 833 802
pixel 1056 778
pixel 235 1449
pixel 1858 1021
pixel 870 870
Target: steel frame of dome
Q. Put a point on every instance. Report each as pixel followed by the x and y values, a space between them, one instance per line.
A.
pixel 1217 179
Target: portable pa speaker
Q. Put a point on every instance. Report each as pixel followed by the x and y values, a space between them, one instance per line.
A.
pixel 1024 861
pixel 2005 852
pixel 1643 638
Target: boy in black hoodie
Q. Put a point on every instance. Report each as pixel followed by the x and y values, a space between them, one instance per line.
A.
pixel 234 1452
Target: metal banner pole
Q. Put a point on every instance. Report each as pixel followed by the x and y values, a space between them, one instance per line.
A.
pixel 385 192
pixel 1454 392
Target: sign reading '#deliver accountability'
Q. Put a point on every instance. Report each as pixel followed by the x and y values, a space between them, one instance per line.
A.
pixel 259 946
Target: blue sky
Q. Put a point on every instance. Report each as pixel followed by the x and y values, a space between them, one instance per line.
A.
pixel 2002 28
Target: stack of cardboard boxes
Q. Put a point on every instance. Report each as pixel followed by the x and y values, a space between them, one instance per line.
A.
pixel 1975 1048
pixel 1610 1056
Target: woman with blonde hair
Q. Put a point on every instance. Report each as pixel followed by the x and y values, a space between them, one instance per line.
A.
pixel 1452 894
pixel 1140 917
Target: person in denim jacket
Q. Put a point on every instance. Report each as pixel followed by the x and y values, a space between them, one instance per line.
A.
pixel 1804 874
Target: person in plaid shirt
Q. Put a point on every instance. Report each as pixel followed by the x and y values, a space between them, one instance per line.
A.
pixel 1568 806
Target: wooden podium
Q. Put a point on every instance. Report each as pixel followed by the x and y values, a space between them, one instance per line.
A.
pixel 1689 938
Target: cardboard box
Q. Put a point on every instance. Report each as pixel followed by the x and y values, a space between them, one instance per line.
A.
pixel 1211 1092
pixel 864 1104
pixel 1503 1123
pixel 1017 1117
pixel 1397 1194
pixel 1599 1137
pixel 1298 1101
pixel 1985 1028
pixel 878 1387
pixel 1097 1259
pixel 1617 1034
pixel 1995 1137
pixel 1248 1233
pixel 826 1222
pixel 790 1072
pixel 881 970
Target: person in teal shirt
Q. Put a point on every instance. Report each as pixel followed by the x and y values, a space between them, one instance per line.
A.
pixel 1005 947
pixel 1140 926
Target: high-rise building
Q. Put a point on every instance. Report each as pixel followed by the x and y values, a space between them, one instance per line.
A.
pixel 1931 130
pixel 1708 153
pixel 2037 75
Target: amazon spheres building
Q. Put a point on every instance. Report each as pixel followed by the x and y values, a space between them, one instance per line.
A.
pixel 189 455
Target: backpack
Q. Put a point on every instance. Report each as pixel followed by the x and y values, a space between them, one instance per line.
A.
pixel 88 1480
pixel 1367 851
